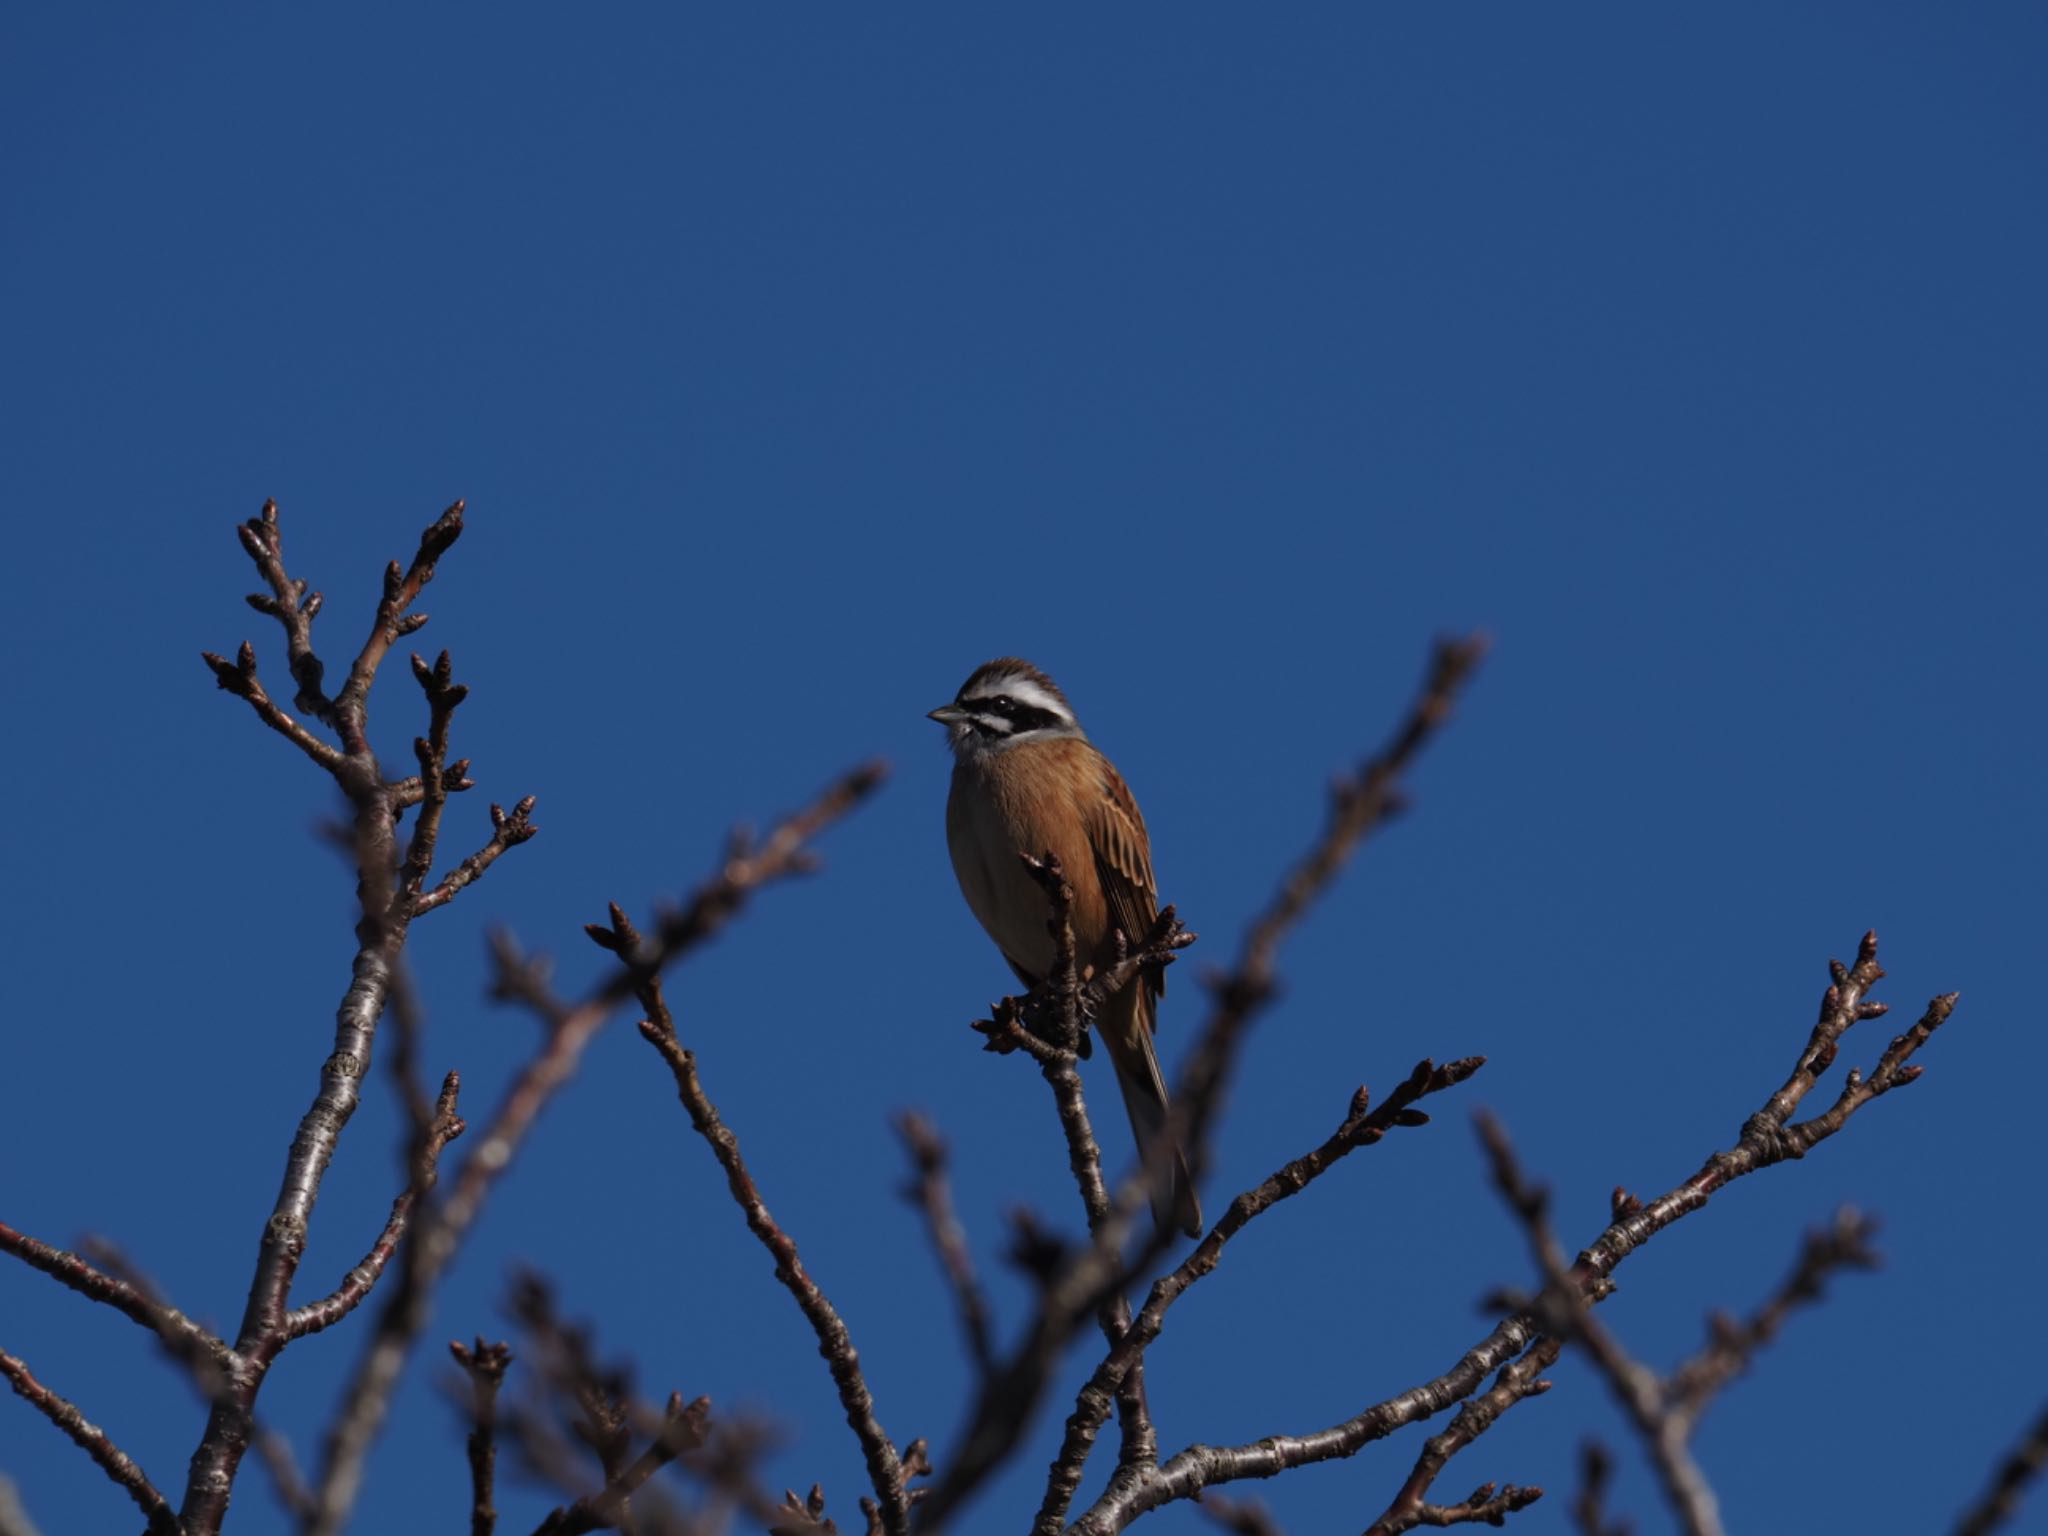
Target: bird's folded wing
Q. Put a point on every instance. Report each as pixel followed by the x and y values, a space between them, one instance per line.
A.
pixel 1116 834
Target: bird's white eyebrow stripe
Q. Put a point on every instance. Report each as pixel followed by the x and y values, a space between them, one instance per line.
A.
pixel 1024 691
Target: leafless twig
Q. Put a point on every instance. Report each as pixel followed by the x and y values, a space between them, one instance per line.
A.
pixel 567 1029
pixel 205 1369
pixel 1362 1126
pixel 138 1303
pixel 388 889
pixel 1845 1243
pixel 445 1126
pixel 2001 1501
pixel 485 1365
pixel 91 1439
pixel 885 1468
pixel 1766 1140
pixel 931 1192
pixel 682 1431
pixel 1589 1509
pixel 1565 1308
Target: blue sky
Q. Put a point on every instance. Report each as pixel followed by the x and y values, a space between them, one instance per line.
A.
pixel 795 361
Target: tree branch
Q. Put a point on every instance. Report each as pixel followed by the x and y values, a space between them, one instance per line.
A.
pixel 567 1030
pixel 485 1366
pixel 380 939
pixel 209 1374
pixel 1761 1146
pixel 1565 1308
pixel 1846 1243
pixel 91 1439
pixel 357 1284
pixel 885 1468
pixel 508 830
pixel 239 678
pixel 1589 1509
pixel 683 1430
pixel 179 1333
pixel 931 1193
pixel 2001 1501
pixel 1362 1126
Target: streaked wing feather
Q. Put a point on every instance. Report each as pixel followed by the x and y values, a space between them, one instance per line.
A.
pixel 1123 862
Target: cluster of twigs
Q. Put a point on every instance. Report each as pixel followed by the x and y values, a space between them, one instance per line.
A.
pixel 578 1425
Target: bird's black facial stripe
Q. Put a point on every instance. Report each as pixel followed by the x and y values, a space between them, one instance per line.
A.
pixel 1003 715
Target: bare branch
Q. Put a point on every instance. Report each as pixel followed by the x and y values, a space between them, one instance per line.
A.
pixel 266 1326
pixel 210 1374
pixel 885 1469
pixel 2001 1501
pixel 1566 1308
pixel 239 678
pixel 1846 1243
pixel 14 1516
pixel 405 1021
pixel 91 1439
pixel 684 1430
pixel 1362 1126
pixel 931 1192
pixel 508 830
pixel 444 694
pixel 1589 1509
pixel 485 1366
pixel 1359 804
pixel 401 588
pixel 567 1030
pixel 1050 1025
pixel 566 1368
pixel 291 606
pixel 178 1332
pixel 357 1284
pixel 1635 1223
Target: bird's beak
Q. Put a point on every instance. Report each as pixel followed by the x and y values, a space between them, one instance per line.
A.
pixel 947 714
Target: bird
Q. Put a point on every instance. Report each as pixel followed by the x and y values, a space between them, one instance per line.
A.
pixel 1028 781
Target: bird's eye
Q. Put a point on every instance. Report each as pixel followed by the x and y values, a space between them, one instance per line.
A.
pixel 1003 704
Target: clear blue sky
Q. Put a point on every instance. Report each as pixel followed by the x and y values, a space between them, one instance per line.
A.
pixel 795 361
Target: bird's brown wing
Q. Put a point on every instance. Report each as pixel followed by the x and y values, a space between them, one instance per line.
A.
pixel 1123 862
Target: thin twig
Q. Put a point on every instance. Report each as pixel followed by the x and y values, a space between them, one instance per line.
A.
pixel 885 1468
pixel 239 678
pixel 485 1366
pixel 683 1431
pixel 1362 1126
pixel 1845 1243
pixel 380 938
pixel 1589 1509
pixel 2001 1501
pixel 178 1332
pixel 91 1439
pixel 1565 1308
pixel 567 1030
pixel 208 1373
pixel 1489 1503
pixel 1635 1223
pixel 567 1370
pixel 358 1283
pixel 932 1193
pixel 508 830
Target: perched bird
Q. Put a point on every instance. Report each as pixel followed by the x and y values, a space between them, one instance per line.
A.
pixel 1026 780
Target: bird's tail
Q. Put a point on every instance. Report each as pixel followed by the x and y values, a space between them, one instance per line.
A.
pixel 1126 1029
